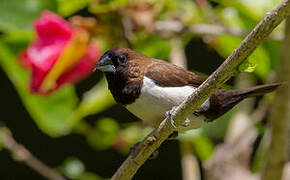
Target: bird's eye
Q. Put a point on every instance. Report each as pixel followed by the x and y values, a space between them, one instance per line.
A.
pixel 122 58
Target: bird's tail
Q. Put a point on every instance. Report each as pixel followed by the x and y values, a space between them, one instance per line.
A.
pixel 224 100
pixel 258 90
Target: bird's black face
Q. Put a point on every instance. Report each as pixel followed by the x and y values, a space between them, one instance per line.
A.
pixel 111 60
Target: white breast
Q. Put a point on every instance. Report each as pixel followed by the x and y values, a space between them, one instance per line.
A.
pixel 155 100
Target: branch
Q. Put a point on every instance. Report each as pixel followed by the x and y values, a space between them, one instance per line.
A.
pixel 177 54
pixel 164 27
pixel 214 81
pixel 276 155
pixel 22 154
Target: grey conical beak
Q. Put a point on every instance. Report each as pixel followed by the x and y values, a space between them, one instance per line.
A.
pixel 105 64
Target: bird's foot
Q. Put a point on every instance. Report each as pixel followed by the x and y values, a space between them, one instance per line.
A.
pixel 133 151
pixel 169 114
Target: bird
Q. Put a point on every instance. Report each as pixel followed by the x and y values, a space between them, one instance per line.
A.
pixel 151 88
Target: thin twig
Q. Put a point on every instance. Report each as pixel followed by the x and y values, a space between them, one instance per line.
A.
pixel 127 30
pixel 177 54
pixel 22 154
pixel 189 162
pixel 214 81
pixel 276 155
pixel 166 27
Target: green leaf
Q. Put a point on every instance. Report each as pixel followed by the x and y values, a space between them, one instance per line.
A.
pixel 68 7
pixel 262 60
pixel 259 61
pixel 247 66
pixel 49 112
pixel 18 15
pixel 94 101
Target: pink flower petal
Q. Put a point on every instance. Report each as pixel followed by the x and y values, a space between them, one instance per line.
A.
pixel 83 68
pixel 53 36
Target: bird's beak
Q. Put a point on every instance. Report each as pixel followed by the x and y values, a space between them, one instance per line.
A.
pixel 105 64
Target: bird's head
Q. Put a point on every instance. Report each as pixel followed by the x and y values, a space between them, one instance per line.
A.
pixel 114 58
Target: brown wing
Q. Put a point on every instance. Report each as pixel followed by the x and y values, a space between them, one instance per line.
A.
pixel 168 75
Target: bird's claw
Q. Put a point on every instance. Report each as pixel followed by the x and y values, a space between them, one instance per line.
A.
pixel 196 113
pixel 133 151
pixel 169 114
pixel 186 123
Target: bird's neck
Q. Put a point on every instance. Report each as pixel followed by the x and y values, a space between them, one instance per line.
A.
pixel 124 88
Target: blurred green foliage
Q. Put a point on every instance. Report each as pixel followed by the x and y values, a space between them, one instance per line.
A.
pixel 141 41
pixel 68 7
pixel 63 112
pixel 259 62
pixel 18 15
pixel 203 147
pixel 73 168
pixel 51 113
pixel 104 134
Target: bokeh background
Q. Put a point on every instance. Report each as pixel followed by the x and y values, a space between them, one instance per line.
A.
pixel 79 131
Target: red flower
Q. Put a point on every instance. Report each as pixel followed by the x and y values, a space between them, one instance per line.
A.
pixel 60 54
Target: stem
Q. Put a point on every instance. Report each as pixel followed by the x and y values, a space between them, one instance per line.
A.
pixel 221 75
pixel 23 155
pixel 276 156
pixel 127 30
pixel 165 27
pixel 189 162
